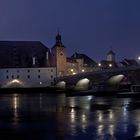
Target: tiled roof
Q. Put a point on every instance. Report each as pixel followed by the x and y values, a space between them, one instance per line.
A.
pixel 20 53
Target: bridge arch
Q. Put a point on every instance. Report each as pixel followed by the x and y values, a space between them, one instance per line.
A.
pixel 61 85
pixel 116 81
pixel 82 84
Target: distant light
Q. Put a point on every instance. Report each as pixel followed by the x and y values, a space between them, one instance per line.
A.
pixel 40 83
pixel 110 65
pixel 139 58
pixel 73 73
pixel 99 64
pixel 71 70
pixel 83 70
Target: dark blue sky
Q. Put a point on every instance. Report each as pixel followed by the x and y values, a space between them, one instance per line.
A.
pixel 87 26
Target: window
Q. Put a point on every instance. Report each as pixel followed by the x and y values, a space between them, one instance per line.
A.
pixel 38 76
pixel 17 76
pixel 61 54
pixel 38 70
pixel 7 71
pixel 12 76
pixel 51 76
pixel 7 77
pixel 17 71
pixel 28 76
pixel 28 70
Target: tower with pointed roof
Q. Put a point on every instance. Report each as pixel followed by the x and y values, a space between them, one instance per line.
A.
pixel 59 56
pixel 111 56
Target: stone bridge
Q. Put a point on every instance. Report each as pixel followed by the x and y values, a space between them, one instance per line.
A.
pixel 107 79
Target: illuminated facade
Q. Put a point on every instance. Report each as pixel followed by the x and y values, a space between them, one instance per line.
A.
pixel 77 63
pixel 32 64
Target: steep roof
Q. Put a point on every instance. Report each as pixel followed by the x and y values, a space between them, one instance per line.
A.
pixel 87 60
pixel 20 53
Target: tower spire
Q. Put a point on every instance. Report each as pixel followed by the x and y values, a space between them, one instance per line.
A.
pixel 58 38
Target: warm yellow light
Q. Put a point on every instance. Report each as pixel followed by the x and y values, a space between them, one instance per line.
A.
pixel 15 81
pixel 83 70
pixel 71 70
pixel 74 73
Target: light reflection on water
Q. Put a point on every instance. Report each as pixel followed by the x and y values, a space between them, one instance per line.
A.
pixel 44 116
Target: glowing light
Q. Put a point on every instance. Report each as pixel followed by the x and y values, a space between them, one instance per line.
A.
pixel 139 58
pixel 116 79
pixel 61 85
pixel 99 64
pixel 71 70
pixel 74 73
pixel 40 83
pixel 82 84
pixel 15 81
pixel 83 70
pixel 110 65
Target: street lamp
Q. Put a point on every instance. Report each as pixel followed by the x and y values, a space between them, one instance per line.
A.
pixel 99 64
pixel 110 65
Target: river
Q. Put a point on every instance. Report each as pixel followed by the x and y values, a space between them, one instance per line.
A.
pixel 58 117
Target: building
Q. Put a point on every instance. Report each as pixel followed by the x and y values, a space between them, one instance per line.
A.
pixel 110 61
pixel 75 64
pixel 25 64
pixel 32 64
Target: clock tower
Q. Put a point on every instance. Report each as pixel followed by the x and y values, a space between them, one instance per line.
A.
pixel 59 56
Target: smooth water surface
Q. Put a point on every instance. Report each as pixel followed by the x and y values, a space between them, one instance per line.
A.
pixel 52 117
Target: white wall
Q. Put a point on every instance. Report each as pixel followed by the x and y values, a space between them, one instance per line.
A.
pixel 27 77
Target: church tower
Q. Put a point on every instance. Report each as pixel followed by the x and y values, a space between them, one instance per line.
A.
pixel 59 56
pixel 111 56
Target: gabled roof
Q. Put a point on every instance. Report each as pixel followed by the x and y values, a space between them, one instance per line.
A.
pixel 87 60
pixel 129 62
pixel 20 53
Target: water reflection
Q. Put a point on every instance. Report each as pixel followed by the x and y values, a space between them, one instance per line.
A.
pixel 45 116
pixel 15 107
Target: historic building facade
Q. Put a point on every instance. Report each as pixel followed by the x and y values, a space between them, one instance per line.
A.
pixel 31 63
pixel 65 65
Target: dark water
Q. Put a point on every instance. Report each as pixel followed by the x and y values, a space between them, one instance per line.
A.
pixel 52 117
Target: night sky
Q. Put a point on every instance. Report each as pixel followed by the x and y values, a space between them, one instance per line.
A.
pixel 87 26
